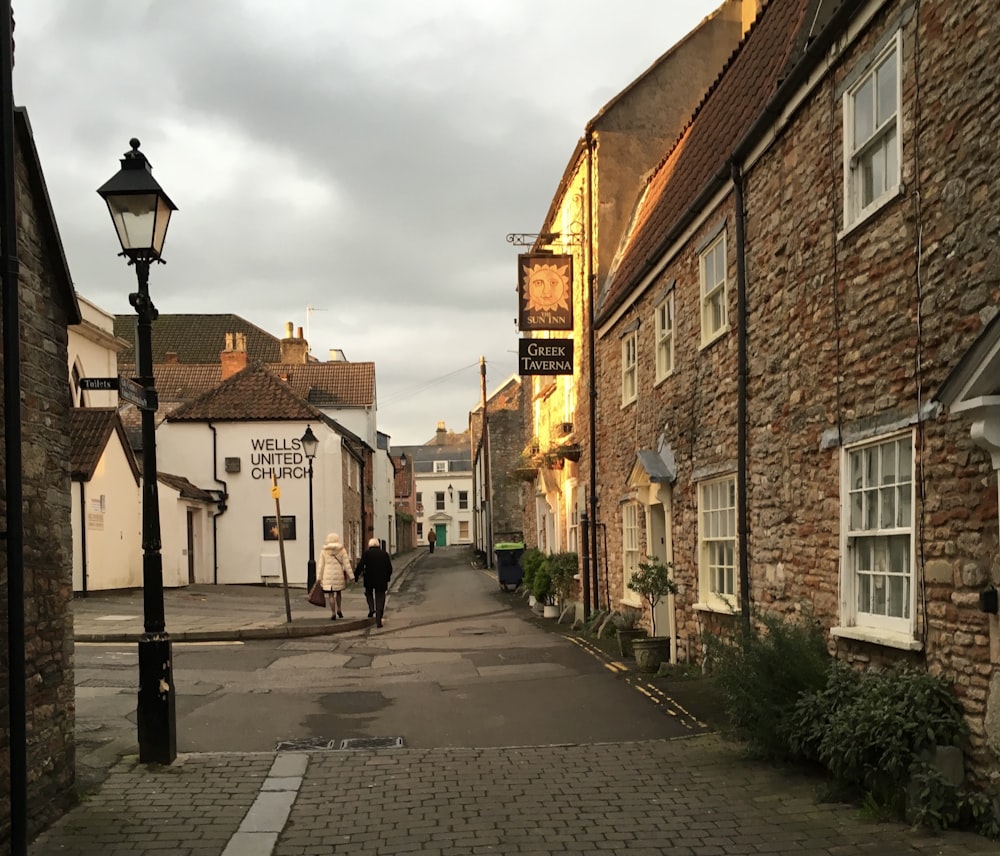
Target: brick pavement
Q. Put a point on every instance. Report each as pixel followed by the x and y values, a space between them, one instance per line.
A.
pixel 691 797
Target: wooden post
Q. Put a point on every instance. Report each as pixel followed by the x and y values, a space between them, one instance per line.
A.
pixel 276 493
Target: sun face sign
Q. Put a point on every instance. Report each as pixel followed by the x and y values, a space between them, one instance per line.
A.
pixel 546 292
pixel 548 288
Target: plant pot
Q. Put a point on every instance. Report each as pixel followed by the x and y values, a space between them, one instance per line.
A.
pixel 550 611
pixel 531 600
pixel 650 651
pixel 626 636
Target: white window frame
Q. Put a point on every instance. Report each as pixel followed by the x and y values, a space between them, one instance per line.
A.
pixel 664 323
pixel 882 143
pixel 463 500
pixel 630 386
pixel 440 466
pixel 714 279
pixel 463 530
pixel 630 551
pixel 877 482
pixel 439 500
pixel 717 542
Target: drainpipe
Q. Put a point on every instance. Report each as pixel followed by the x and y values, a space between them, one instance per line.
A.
pixel 222 504
pixel 83 536
pixel 591 280
pixel 741 394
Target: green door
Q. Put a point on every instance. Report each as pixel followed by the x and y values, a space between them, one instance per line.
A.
pixel 441 530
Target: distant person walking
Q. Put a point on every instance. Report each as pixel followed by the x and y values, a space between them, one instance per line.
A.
pixel 431 538
pixel 335 571
pixel 376 568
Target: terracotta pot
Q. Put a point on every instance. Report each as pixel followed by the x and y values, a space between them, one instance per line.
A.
pixel 650 652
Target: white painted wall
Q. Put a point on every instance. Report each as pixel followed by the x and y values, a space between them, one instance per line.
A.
pixel 187 449
pixel 427 484
pixel 93 351
pixel 111 515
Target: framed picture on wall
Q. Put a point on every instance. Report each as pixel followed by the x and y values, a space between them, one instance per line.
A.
pixel 287 527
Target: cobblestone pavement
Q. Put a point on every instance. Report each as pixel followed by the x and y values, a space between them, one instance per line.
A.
pixel 690 797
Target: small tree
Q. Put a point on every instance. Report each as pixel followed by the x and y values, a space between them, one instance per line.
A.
pixel 652 581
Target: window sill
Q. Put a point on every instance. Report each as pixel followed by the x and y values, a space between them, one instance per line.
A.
pixel 886 638
pixel 718 334
pixel 663 379
pixel 718 606
pixel 629 403
pixel 873 209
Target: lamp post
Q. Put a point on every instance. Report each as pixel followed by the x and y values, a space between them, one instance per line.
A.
pixel 309 445
pixel 141 212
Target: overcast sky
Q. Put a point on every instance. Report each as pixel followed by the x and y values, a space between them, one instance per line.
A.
pixel 365 158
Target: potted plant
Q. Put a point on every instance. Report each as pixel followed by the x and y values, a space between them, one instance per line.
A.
pixel 652 581
pixel 541 586
pixel 628 629
pixel 563 568
pixel 530 562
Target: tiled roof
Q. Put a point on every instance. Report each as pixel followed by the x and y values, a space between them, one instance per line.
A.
pixel 198 338
pixel 90 429
pixel 250 395
pixel 698 161
pixel 335 384
pixel 185 488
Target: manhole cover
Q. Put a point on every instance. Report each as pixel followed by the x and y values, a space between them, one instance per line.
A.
pixel 372 743
pixel 301 743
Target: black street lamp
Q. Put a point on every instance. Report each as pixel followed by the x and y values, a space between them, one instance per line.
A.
pixel 141 212
pixel 310 443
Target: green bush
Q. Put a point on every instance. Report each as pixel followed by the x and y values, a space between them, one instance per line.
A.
pixel 562 569
pixel 763 672
pixel 869 729
pixel 530 560
pixel 541 584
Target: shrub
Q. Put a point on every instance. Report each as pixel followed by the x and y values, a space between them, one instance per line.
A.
pixel 541 584
pixel 869 729
pixel 762 672
pixel 562 569
pixel 530 560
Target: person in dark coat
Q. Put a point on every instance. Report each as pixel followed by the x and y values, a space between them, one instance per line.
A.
pixel 431 538
pixel 376 568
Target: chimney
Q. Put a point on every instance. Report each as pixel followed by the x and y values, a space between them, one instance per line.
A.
pixel 234 357
pixel 170 358
pixel 294 350
pixel 441 435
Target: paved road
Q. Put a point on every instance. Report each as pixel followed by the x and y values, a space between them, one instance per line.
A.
pixel 515 741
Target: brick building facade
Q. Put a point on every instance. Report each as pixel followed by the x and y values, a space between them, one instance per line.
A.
pixel 804 273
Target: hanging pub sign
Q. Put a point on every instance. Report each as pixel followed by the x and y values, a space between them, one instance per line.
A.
pixel 545 292
pixel 545 356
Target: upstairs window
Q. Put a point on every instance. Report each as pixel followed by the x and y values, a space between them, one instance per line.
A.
pixel 463 500
pixel 872 136
pixel 712 267
pixel 629 388
pixel 440 466
pixel 665 338
pixel 439 500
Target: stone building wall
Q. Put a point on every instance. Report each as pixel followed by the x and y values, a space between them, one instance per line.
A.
pixel 47 305
pixel 850 333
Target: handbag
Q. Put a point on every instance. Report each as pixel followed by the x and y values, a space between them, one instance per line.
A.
pixel 317 597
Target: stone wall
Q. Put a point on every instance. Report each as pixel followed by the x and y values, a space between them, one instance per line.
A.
pixel 849 331
pixel 46 306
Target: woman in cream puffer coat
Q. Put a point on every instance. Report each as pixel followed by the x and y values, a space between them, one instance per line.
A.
pixel 335 572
